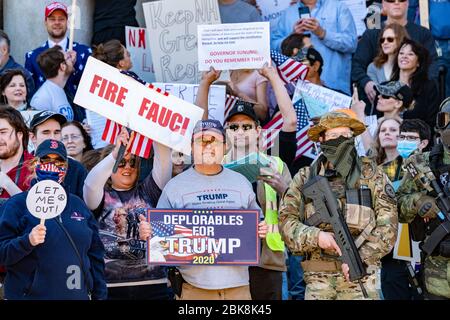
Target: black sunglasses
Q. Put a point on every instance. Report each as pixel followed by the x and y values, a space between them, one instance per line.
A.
pixel 132 162
pixel 389 39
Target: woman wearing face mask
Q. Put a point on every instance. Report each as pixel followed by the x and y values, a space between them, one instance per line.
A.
pixel 119 201
pixel 412 69
pixel 38 257
pixel 411 134
pixel 76 139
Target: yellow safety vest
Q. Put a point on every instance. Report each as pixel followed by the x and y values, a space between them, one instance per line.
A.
pixel 273 237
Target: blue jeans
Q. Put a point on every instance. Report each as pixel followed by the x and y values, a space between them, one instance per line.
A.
pixel 296 285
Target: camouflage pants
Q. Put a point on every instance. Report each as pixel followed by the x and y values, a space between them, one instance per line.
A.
pixel 333 286
pixel 437 276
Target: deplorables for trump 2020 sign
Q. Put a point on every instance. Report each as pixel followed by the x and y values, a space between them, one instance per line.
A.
pixel 203 237
pixel 148 110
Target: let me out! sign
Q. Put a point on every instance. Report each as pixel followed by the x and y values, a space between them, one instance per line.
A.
pixel 149 111
pixel 203 237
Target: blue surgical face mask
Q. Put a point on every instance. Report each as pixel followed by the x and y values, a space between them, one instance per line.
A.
pixel 405 148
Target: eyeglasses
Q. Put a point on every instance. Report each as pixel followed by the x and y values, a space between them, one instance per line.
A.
pixel 442 120
pixel 235 126
pixel 335 135
pixel 73 137
pixel 389 39
pixel 132 162
pixel 392 1
pixel 56 161
pixel 409 138
pixel 205 141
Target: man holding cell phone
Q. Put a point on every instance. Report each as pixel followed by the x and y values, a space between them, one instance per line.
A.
pixel 333 33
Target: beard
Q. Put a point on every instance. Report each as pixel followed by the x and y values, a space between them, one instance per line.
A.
pixel 57 34
pixel 10 152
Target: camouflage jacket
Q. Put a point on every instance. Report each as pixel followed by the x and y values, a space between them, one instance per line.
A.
pixel 374 229
pixel 409 192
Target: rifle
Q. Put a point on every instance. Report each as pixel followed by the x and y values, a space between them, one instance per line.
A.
pixel 319 191
pixel 427 179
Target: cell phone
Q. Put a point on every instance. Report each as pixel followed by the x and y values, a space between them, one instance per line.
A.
pixel 304 13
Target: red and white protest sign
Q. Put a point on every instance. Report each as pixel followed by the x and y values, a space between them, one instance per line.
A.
pixel 151 112
pixel 138 45
pixel 233 46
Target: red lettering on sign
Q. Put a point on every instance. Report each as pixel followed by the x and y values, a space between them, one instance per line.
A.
pixel 108 90
pixel 141 38
pixel 175 119
pixel 163 116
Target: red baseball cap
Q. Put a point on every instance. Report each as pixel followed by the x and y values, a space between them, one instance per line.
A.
pixel 52 7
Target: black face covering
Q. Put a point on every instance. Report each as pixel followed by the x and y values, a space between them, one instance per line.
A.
pixel 341 152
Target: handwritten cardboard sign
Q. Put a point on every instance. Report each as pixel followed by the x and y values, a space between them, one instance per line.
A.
pixel 203 237
pixel 188 93
pixel 138 45
pixel 46 200
pixel 172 28
pixel 320 100
pixel 149 111
pixel 234 46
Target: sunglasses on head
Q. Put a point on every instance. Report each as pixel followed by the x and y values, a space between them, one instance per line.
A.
pixel 392 1
pixel 388 39
pixel 132 162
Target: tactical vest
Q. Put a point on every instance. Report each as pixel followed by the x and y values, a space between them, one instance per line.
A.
pixel 355 204
pixel 442 173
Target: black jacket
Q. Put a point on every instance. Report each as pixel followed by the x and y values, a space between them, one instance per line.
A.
pixel 368 46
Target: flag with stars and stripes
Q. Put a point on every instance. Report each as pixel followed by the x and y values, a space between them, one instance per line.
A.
pixel 273 127
pixel 139 144
pixel 288 69
pixel 230 101
pixel 303 143
pixel 163 230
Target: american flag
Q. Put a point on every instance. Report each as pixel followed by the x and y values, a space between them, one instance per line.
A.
pixel 230 101
pixel 303 142
pixel 139 144
pixel 273 128
pixel 288 69
pixel 160 229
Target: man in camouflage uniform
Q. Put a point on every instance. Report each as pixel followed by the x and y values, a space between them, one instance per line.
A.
pixel 373 225
pixel 418 206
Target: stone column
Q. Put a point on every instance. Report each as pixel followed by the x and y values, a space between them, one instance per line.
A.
pixel 24 24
